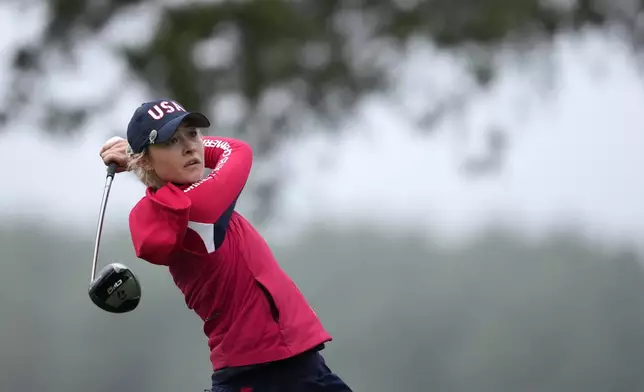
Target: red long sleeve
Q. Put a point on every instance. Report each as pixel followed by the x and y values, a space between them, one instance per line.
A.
pixel 231 161
pixel 158 224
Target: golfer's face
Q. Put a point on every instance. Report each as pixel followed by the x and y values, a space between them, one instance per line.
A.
pixel 180 159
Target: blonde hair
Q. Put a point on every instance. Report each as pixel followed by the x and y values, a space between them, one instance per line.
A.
pixel 139 165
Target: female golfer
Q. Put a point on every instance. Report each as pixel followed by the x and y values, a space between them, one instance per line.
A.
pixel 262 334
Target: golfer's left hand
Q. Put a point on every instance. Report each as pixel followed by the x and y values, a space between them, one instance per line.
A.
pixel 115 151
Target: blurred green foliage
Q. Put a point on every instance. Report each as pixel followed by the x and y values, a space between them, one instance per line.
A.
pixel 324 53
pixel 291 64
pixel 499 313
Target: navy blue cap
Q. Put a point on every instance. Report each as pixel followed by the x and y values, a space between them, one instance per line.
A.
pixel 156 121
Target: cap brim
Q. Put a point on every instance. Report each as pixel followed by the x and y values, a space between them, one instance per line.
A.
pixel 193 119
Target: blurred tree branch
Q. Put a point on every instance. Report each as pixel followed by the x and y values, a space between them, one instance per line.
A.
pixel 311 55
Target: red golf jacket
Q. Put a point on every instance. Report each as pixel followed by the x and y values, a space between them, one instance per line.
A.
pixel 253 313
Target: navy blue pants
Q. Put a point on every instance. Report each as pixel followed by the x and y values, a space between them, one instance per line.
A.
pixel 306 372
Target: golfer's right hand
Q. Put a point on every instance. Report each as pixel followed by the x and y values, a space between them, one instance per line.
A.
pixel 115 150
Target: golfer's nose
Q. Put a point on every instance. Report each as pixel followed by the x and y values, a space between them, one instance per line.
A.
pixel 189 146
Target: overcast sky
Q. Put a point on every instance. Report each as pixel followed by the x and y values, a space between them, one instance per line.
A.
pixel 577 156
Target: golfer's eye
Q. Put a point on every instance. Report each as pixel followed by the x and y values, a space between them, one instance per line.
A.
pixel 194 133
pixel 172 141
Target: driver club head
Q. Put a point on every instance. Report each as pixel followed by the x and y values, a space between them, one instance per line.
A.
pixel 116 289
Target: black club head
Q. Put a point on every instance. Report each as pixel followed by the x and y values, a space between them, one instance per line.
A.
pixel 115 289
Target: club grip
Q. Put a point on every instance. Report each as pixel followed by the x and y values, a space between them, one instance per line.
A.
pixel 111 169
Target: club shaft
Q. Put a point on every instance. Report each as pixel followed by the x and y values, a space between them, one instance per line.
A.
pixel 106 193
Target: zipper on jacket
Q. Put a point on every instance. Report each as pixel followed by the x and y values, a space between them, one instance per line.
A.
pixel 271 302
pixel 214 315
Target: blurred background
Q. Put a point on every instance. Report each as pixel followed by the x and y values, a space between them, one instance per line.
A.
pixel 455 185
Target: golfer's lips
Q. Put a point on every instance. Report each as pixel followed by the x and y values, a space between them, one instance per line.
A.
pixel 193 161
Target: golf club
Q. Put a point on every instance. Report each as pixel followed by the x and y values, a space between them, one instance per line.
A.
pixel 116 289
